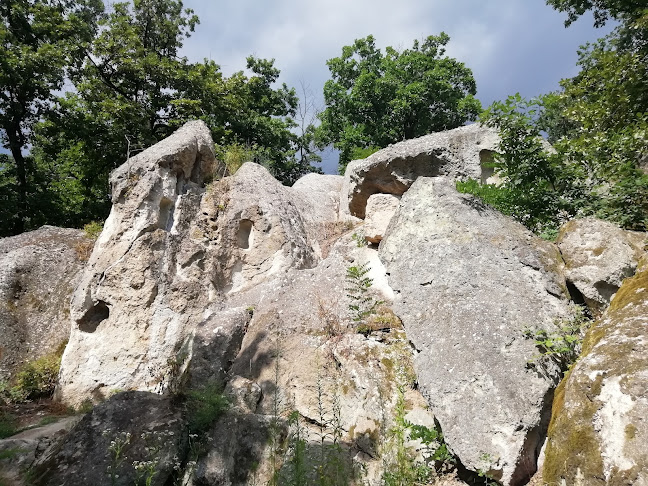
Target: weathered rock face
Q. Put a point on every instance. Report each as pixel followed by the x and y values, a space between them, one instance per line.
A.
pixel 470 281
pixel 170 252
pixel 38 272
pixel 459 153
pixel 598 430
pixel 22 451
pixel 147 427
pixel 598 256
pixel 380 210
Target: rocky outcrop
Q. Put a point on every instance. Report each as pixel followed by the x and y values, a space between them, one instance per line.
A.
pixel 169 254
pixel 598 430
pixel 469 283
pixel 598 256
pixel 38 272
pixel 116 443
pixel 380 210
pixel 23 450
pixel 460 153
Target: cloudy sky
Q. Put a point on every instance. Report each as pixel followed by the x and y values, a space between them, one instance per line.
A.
pixel 511 45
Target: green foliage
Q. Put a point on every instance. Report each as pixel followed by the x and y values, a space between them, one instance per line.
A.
pixel 204 407
pixel 359 239
pixel 563 346
pixel 8 425
pixel 362 304
pixel 35 379
pixel 376 98
pixel 93 229
pixel 400 467
pixel 603 10
pixel 537 187
pixel 39 39
pixel 593 174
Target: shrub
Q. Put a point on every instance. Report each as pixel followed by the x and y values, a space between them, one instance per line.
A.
pixel 93 229
pixel 36 379
pixel 362 304
pixel 8 425
pixel 204 407
pixel 563 346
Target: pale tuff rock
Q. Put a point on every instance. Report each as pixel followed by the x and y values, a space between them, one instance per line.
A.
pixel 38 272
pixel 380 209
pixel 170 253
pixel 460 153
pixel 468 283
pixel 598 430
pixel 598 256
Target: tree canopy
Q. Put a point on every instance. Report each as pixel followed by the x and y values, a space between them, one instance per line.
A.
pixel 376 98
pixel 131 88
pixel 39 39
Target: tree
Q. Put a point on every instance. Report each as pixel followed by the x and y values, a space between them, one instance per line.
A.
pixel 603 10
pixel 375 99
pixel 133 89
pixel 38 39
pixel 600 118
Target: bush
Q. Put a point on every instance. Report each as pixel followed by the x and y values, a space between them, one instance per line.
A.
pixel 93 229
pixel 204 407
pixel 8 425
pixel 36 379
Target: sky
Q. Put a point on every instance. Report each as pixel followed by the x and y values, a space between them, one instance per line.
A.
pixel 510 45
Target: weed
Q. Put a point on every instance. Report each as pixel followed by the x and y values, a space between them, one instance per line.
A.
pixel 116 449
pixel 35 379
pixel 204 407
pixel 362 304
pixel 86 406
pixel 93 229
pixel 11 453
pixel 563 346
pixel 359 239
pixel 8 425
pixel 47 420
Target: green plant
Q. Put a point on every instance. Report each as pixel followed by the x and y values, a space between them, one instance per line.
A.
pixel 93 229
pixel 204 407
pixel 563 346
pixel 234 155
pixel 359 239
pixel 8 425
pixel 116 450
pixel 35 379
pixel 86 406
pixel 377 97
pixel 362 304
pixel 11 453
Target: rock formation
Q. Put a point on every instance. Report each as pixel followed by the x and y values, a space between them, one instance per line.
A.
pixel 245 286
pixel 469 283
pixel 38 272
pixel 460 153
pixel 598 256
pixel 598 430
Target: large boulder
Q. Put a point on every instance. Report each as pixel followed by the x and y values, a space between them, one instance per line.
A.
pixel 170 253
pixel 116 442
pixel 598 256
pixel 469 283
pixel 460 153
pixel 598 432
pixel 38 272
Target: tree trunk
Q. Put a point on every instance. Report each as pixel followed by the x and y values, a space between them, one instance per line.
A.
pixel 21 172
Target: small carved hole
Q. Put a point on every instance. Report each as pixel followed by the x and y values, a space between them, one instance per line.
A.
pixel 94 316
pixel 244 235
